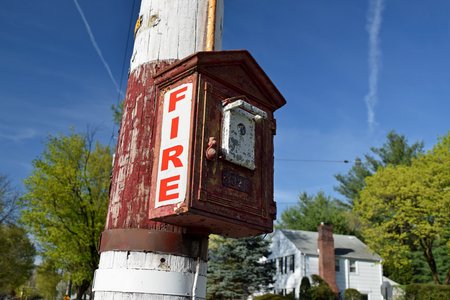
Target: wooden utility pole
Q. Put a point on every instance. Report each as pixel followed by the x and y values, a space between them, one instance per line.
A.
pixel 143 259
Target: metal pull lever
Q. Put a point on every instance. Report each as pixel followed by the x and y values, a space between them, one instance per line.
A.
pixel 211 151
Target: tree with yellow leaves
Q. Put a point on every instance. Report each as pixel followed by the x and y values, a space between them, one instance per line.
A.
pixel 405 208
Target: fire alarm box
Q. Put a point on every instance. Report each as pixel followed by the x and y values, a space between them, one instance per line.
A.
pixel 213 145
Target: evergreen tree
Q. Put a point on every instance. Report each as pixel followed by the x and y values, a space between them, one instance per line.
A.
pixel 395 151
pixel 236 267
pixel 421 272
pixel 311 210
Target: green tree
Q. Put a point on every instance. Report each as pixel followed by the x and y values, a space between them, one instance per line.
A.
pixel 16 250
pixel 406 208
pixel 117 112
pixel 16 259
pixel 47 278
pixel 235 269
pixel 311 210
pixel 395 151
pixel 421 272
pixel 8 201
pixel 66 203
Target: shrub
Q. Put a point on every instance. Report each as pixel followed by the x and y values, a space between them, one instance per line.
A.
pixel 320 290
pixel 272 297
pixel 427 292
pixel 352 294
pixel 305 287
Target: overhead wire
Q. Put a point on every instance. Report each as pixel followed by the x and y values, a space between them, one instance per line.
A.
pixel 125 52
pixel 345 161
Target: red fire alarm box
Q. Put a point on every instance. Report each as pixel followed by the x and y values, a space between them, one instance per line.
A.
pixel 213 155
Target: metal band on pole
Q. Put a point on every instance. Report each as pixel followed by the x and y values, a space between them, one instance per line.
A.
pixel 133 239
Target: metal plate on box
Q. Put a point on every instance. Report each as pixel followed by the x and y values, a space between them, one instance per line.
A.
pixel 235 181
pixel 238 128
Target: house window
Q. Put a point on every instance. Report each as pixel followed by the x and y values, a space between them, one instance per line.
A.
pixel 291 263
pixel 293 292
pixel 337 266
pixel 352 266
pixel 281 265
pixel 364 297
pixel 281 292
pixel 286 265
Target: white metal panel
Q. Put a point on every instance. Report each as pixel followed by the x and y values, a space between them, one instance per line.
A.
pixel 148 282
pixel 238 132
pixel 238 138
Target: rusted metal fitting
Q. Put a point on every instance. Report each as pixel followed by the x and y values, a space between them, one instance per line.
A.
pixel 211 151
pixel 145 240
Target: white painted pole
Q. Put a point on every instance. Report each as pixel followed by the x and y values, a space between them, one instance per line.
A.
pixel 134 262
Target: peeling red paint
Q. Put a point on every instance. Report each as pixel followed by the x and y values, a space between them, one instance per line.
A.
pixel 128 207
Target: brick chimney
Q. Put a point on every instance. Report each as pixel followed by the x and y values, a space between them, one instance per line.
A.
pixel 325 243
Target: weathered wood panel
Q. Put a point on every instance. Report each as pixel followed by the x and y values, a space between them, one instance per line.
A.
pixel 173 29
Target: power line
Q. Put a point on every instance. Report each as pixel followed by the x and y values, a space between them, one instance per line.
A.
pixel 345 161
pixel 125 52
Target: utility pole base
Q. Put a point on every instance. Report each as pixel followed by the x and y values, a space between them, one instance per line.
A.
pixel 135 296
pixel 139 275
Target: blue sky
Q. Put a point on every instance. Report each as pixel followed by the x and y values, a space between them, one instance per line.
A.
pixel 317 52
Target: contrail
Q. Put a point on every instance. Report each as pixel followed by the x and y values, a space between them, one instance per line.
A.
pixel 374 19
pixel 97 48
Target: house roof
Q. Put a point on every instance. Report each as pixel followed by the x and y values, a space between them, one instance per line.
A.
pixel 346 246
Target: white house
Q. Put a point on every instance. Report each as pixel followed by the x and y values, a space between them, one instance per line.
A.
pixel 342 260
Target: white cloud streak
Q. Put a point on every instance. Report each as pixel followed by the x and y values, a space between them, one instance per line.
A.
pixel 96 47
pixel 374 20
pixel 18 135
